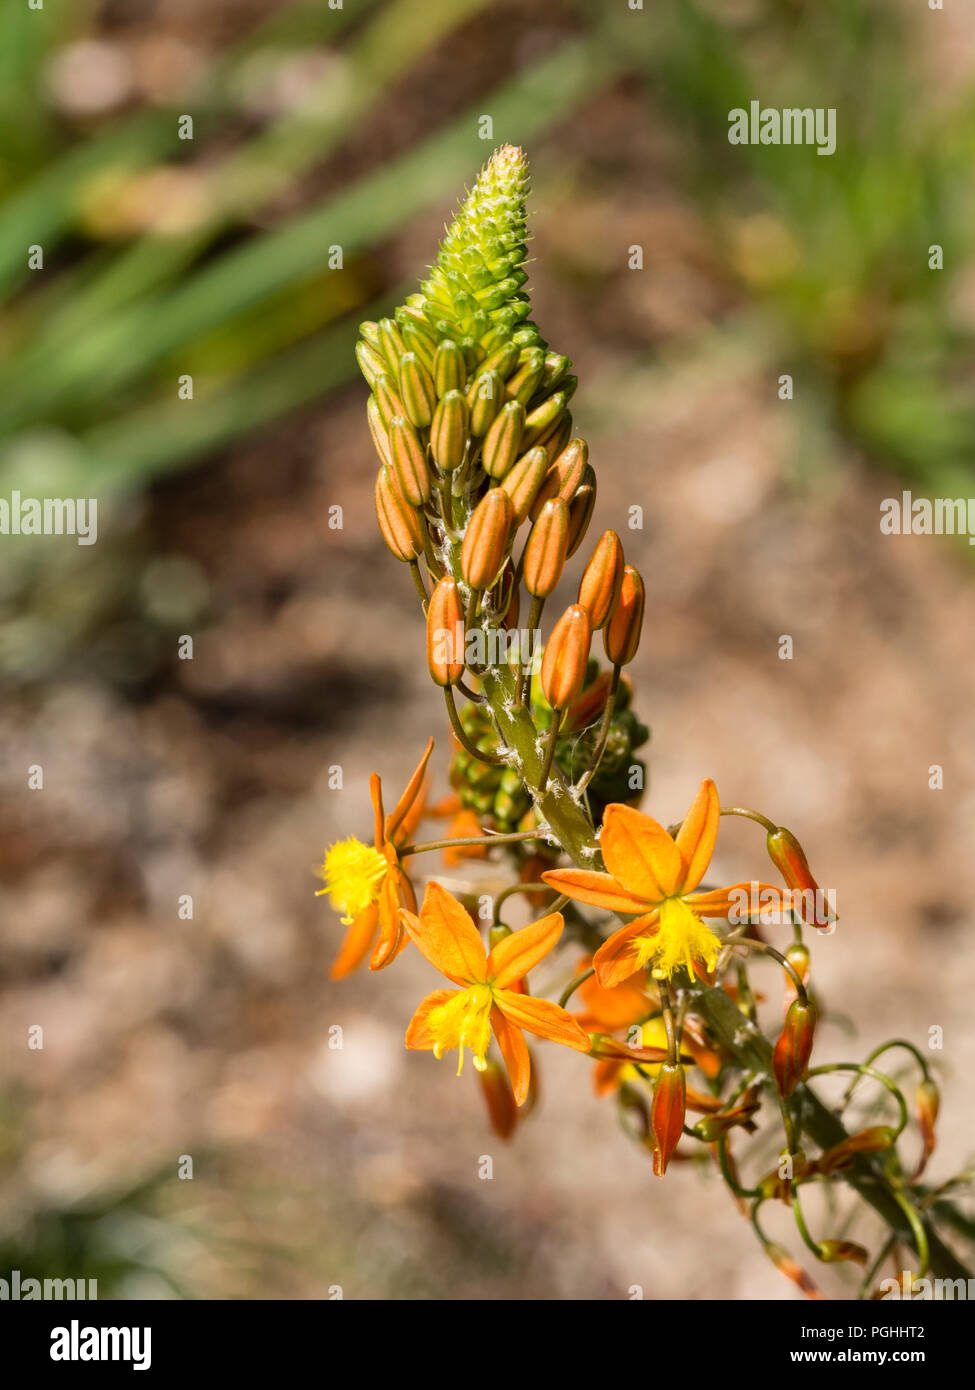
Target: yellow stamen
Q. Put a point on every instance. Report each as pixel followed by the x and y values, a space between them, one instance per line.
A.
pixel 680 939
pixel 353 874
pixel 463 1021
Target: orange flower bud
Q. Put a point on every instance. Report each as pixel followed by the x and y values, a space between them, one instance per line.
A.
pixel 873 1140
pixel 377 429
pixel 486 539
pixel 591 703
pixel 522 384
pixel 524 480
pixel 832 1251
pixel 391 342
pixel 449 369
pixel 544 417
pixel 786 1265
pixel 500 448
pixel 798 957
pixel 565 476
pixel 416 389
pixel 556 367
pixel 556 438
pixel 445 633
pixel 599 588
pixel 448 432
pixel 713 1126
pixel 581 509
pixel 790 1060
pixel 545 551
pixel 499 1098
pixel 420 342
pixel 566 657
pixel 409 465
pixel 372 364
pixel 787 855
pixel 503 360
pixel 398 521
pixel 621 636
pixel 485 396
pixel 388 399
pixel 667 1114
pixel 927 1104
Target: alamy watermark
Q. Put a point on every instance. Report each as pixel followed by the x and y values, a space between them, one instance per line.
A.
pixel 50 516
pixel 17 1289
pixel 777 907
pixel 908 515
pixel 484 646
pixel 793 125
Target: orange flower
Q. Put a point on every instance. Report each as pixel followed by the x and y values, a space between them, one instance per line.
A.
pixel 464 826
pixel 488 999
pixel 368 885
pixel 609 1010
pixel 654 875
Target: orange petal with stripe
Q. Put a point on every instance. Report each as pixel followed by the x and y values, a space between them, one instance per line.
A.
pixel 746 899
pixel 395 895
pixel 516 954
pixel 399 811
pixel 639 853
pixel 600 890
pixel 514 1050
pixel 606 1076
pixel 697 834
pixel 447 937
pixel 418 1035
pixel 355 946
pixel 618 957
pixel 543 1018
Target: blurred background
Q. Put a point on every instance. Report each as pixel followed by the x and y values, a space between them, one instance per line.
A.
pixel 357 127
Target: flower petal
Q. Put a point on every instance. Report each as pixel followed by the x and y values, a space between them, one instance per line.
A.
pixel 601 890
pixel 447 937
pixel 606 1076
pixel 619 956
pixel 541 1017
pixel 355 946
pixel 607 1010
pixel 743 899
pixel 516 954
pixel 395 895
pixel 399 811
pixel 639 853
pixel 697 834
pixel 514 1050
pixel 376 796
pixel 418 1034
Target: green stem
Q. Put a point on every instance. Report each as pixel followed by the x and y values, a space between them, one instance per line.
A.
pixel 461 734
pixel 735 1033
pixel 603 739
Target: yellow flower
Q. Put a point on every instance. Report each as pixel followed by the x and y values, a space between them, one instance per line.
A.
pixel 654 875
pixel 368 885
pixel 353 874
pixel 490 996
